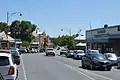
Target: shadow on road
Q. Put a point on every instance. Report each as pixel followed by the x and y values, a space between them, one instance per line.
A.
pixel 49 56
pixel 92 69
pixel 75 59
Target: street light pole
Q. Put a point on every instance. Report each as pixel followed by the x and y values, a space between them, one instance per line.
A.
pixel 7 18
pixel 9 15
pixel 68 31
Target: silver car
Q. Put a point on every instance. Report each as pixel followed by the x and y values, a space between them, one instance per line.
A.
pixel 70 53
pixel 112 57
pixel 78 54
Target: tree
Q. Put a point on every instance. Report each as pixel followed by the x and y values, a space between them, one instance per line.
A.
pixel 65 41
pixel 3 27
pixel 15 29
pixel 22 30
pixel 25 43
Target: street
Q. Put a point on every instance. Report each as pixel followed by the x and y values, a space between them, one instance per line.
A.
pixel 41 67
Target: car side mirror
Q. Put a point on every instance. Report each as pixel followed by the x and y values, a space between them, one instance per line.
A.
pixel 17 62
pixel 17 56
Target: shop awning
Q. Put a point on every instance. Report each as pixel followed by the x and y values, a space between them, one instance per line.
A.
pixel 80 38
pixel 35 43
pixel 81 44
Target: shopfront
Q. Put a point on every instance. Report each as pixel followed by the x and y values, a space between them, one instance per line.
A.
pixel 105 39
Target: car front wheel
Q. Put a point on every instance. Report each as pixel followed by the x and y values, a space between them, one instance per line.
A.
pixel 83 65
pixel 109 68
pixel 91 66
pixel 46 54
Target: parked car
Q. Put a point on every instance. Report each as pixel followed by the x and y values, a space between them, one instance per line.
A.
pixel 78 54
pixel 70 53
pixel 118 59
pixel 96 61
pixel 16 56
pixel 42 50
pixel 50 51
pixel 112 57
pixel 14 53
pixel 63 52
pixel 92 51
pixel 8 67
pixel 22 50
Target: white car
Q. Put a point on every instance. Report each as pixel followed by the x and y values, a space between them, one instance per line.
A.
pixel 78 54
pixel 50 51
pixel 8 67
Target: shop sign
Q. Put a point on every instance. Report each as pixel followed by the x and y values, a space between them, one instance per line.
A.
pixel 101 31
pixel 102 35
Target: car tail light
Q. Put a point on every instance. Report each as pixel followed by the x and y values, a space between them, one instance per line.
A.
pixel 11 70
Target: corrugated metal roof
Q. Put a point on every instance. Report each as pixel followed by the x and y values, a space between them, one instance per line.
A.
pixel 6 37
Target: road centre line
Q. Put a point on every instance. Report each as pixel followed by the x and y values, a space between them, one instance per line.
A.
pixel 24 72
pixel 75 70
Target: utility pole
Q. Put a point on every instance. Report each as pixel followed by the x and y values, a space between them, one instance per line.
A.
pixel 79 32
pixel 91 36
pixel 70 31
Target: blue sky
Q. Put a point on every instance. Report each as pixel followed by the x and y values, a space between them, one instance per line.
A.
pixel 53 15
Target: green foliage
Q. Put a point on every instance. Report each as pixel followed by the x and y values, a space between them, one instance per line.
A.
pixel 65 40
pixel 15 29
pixel 25 43
pixel 22 30
pixel 3 27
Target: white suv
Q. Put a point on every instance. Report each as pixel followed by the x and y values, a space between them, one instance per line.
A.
pixel 8 67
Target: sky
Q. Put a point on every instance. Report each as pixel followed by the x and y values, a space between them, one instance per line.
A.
pixel 53 15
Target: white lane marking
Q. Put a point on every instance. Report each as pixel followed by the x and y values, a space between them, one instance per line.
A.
pixel 76 70
pixel 24 72
pixel 96 74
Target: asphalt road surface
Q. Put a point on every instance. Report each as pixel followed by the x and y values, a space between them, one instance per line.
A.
pixel 41 67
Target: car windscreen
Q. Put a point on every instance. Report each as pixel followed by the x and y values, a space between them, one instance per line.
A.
pixel 80 52
pixel 15 53
pixel 98 56
pixel 111 55
pixel 64 50
pixel 4 61
pixel 71 51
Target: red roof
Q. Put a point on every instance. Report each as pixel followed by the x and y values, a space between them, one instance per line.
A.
pixel 4 51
